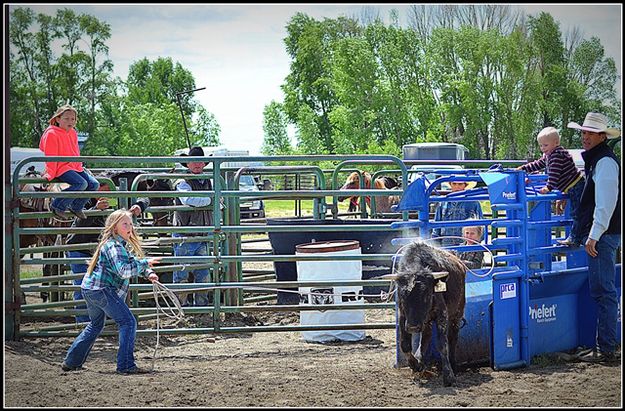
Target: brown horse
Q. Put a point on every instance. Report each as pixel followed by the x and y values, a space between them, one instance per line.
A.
pixel 40 205
pixel 383 203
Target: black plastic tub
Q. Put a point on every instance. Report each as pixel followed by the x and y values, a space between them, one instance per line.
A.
pixel 371 242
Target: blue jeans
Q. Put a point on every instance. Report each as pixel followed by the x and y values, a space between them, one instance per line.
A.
pixel 76 269
pixel 575 196
pixel 102 303
pixel 201 276
pixel 601 280
pixel 77 182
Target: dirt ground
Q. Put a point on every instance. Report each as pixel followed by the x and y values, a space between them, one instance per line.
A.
pixel 280 369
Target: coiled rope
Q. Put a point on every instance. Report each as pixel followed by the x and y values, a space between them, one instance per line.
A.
pixel 173 310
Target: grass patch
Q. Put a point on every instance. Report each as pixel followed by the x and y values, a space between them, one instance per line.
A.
pixel 286 208
pixel 29 273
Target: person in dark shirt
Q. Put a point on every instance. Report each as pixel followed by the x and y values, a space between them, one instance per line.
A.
pixel 200 217
pixel 473 235
pixel 600 222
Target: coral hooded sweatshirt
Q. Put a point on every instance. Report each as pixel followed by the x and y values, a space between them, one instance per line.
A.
pixel 56 141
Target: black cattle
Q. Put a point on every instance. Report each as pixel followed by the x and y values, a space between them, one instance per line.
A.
pixel 159 218
pixel 430 286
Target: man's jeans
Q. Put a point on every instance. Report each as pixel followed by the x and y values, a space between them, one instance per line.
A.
pixel 201 276
pixel 102 303
pixel 601 280
pixel 77 182
pixel 76 269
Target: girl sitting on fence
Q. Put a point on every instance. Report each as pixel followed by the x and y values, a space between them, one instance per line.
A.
pixel 61 139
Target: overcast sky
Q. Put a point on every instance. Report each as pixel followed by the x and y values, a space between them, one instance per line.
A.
pixel 237 51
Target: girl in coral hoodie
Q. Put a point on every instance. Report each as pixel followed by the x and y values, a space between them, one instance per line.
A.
pixel 60 139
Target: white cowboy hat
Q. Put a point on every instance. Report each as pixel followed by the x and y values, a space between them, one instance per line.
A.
pixel 596 123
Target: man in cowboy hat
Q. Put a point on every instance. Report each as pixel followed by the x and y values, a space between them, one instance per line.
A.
pixel 200 217
pixel 600 224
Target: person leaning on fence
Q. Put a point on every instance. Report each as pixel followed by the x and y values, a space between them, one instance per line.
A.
pixel 600 224
pixel 101 203
pixel 562 175
pixel 104 288
pixel 455 210
pixel 199 217
pixel 61 139
pixel 473 235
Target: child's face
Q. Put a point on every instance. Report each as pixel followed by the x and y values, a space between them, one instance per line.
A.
pixel 458 185
pixel 124 227
pixel 471 233
pixel 67 120
pixel 547 144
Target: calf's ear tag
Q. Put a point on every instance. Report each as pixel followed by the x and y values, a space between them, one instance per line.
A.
pixel 440 287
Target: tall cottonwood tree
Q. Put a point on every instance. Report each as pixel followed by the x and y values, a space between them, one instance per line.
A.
pixel 41 78
pixel 276 139
pixel 484 76
pixel 64 59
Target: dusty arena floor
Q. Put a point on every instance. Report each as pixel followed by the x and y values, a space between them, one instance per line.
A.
pixel 282 370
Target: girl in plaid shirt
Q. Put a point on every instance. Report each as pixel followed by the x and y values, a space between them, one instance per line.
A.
pixel 104 289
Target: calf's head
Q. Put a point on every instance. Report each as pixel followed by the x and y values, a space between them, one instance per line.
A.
pixel 416 292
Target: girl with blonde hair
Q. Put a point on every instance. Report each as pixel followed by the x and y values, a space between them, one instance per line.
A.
pixel 118 257
pixel 61 139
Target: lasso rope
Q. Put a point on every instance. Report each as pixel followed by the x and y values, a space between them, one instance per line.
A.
pixel 174 310
pixel 492 257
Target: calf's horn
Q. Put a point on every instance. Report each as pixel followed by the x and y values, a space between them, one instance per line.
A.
pixel 388 277
pixel 440 274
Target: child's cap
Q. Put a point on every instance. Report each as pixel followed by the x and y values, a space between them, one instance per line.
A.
pixel 60 111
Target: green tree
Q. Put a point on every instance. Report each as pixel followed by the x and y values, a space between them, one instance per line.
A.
pixel 309 44
pixel 42 79
pixel 159 84
pixel 98 72
pixel 276 140
pixel 205 129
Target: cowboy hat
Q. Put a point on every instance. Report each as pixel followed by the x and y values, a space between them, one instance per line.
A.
pixel 467 184
pixel 194 152
pixel 595 123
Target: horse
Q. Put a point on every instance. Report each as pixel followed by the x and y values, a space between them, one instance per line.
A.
pixel 39 205
pixel 383 203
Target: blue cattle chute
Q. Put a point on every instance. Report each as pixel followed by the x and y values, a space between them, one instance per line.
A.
pixel 502 187
pixel 533 303
pixel 414 197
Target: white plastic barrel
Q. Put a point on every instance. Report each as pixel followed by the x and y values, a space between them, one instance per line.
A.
pixel 328 271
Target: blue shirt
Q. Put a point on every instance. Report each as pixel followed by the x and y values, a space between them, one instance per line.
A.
pixel 192 201
pixel 606 179
pixel 115 266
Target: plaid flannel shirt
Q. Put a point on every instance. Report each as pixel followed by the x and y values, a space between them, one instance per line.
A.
pixel 115 266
